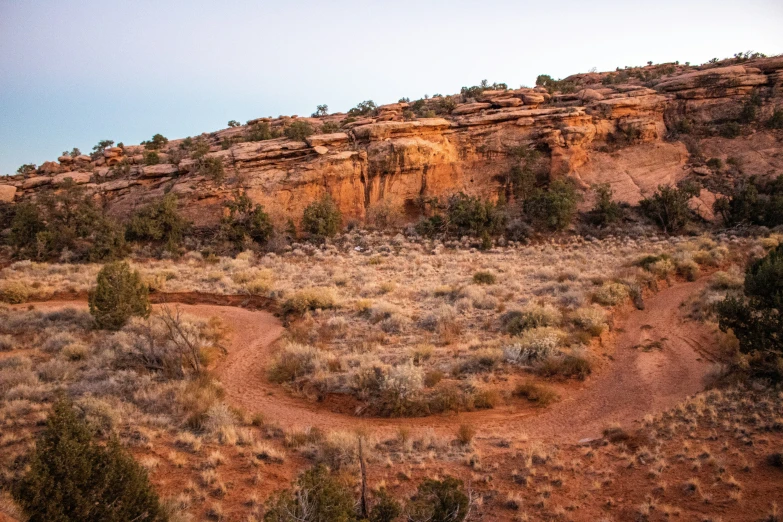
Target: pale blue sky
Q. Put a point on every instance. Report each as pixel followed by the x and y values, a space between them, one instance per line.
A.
pixel 74 72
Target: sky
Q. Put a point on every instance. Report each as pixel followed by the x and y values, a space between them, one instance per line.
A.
pixel 75 72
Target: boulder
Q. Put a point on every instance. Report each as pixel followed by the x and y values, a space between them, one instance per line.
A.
pixel 36 181
pixel 50 168
pixel 320 149
pixel 506 102
pixel 159 170
pixel 79 178
pixel 7 193
pixel 533 99
pixel 702 171
pixel 589 95
pixel 470 108
pixel 326 139
pixel 702 204
pixel 64 159
pixel 82 158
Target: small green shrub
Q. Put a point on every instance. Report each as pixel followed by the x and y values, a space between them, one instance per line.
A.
pixel 753 202
pixel 668 206
pixel 13 292
pixel 151 158
pixel 211 168
pixel 610 294
pixel 385 508
pixel 322 218
pixel 120 294
pixel 299 130
pixel 439 501
pixel 158 222
pixel 329 127
pixel 555 207
pixel 715 163
pixel 567 366
pixel 71 477
pixel 308 299
pixel 776 120
pixel 246 221
pixel 756 318
pixel 261 131
pixel 484 278
pixel 317 497
pixel 605 211
pixel 363 108
pixel 539 395
pixel 157 142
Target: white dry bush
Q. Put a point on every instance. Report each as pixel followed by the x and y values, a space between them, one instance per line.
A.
pixel 542 315
pixel 295 360
pixel 534 344
pixel 612 293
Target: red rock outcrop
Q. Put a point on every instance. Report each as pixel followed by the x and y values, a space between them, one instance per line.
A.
pixel 589 126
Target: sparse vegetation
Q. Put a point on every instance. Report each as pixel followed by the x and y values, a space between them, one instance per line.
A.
pixel 668 206
pixel 119 295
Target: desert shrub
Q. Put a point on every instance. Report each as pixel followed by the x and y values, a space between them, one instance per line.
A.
pixel 13 292
pixel 605 211
pixel 756 318
pixel 6 343
pixel 120 294
pixel 570 366
pixel 731 280
pixel 484 278
pixel 66 219
pixel 688 268
pixel 668 206
pixel 754 203
pixel 385 508
pixel 776 120
pixel 158 222
pixel 261 131
pixel 316 497
pixel 322 218
pixel 71 477
pixel 299 130
pixel 730 129
pixel 553 208
pixel 246 222
pixel 211 168
pixel 472 216
pixel 329 127
pixel 293 361
pixel 539 395
pixel 151 158
pixel 610 294
pixel 592 319
pixel 515 322
pixel 439 501
pixel 157 142
pixel 399 390
pixel 28 169
pixel 465 434
pixel 308 299
pixel 363 108
pixel 533 345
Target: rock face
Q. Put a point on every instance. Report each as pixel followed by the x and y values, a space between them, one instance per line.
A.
pixel 620 128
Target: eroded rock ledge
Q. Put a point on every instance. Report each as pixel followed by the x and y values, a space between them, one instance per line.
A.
pixel 601 132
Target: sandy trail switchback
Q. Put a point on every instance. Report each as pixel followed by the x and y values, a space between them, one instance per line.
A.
pixel 659 359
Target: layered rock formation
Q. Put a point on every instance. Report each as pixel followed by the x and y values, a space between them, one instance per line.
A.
pixel 589 127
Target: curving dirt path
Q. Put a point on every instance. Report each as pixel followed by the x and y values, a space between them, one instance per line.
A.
pixel 658 359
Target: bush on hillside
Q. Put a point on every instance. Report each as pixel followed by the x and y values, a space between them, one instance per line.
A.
pixel 322 218
pixel 756 318
pixel 605 211
pixel 668 206
pixel 439 501
pixel 317 496
pixel 299 130
pixel 554 207
pixel 119 294
pixel 71 477
pixel 158 222
pixel 246 222
pixel 754 203
pixel 157 142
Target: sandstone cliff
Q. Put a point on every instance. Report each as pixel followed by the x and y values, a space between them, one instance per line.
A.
pixel 634 129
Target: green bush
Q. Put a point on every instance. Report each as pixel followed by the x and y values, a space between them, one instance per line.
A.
pixel 316 497
pixel 246 221
pixel 730 129
pixel 261 131
pixel 386 508
pixel 753 203
pixel 668 206
pixel 71 477
pixel 234 123
pixel 25 226
pixel 363 108
pixel 211 168
pixel 28 169
pixel 322 218
pixel 158 222
pixel 97 150
pixel 439 501
pixel 119 294
pixel 329 127
pixel 299 130
pixel 605 211
pixel 157 142
pixel 756 318
pixel 776 120
pixel 151 158
pixel 473 216
pixel 555 207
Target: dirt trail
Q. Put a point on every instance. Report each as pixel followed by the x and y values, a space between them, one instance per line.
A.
pixel 659 358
